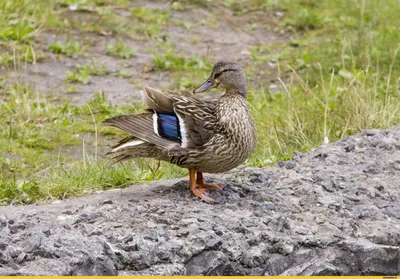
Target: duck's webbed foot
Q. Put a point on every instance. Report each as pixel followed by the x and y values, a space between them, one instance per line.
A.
pixel 217 187
pixel 202 193
pixel 202 185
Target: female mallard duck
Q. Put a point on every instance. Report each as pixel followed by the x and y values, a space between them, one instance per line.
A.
pixel 203 136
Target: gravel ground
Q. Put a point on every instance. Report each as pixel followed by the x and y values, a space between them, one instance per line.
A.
pixel 332 211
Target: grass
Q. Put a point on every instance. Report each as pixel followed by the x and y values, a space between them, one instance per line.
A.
pixel 75 179
pixel 119 49
pixel 185 71
pixel 343 75
pixel 149 22
pixel 337 73
pixel 35 134
pixel 20 21
pixel 83 73
pixel 71 49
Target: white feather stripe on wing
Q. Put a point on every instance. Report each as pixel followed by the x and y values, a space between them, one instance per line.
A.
pixel 127 144
pixel 182 129
pixel 155 123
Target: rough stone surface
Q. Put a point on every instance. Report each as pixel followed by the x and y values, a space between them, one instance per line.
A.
pixel 332 211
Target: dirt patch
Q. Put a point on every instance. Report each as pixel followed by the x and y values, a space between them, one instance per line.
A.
pixel 227 37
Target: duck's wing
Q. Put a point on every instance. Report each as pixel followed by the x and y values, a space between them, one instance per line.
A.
pixel 193 122
pixel 170 122
pixel 157 100
pixel 196 120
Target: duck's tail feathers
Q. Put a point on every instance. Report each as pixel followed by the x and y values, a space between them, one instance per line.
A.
pixel 130 148
pixel 119 158
pixel 127 142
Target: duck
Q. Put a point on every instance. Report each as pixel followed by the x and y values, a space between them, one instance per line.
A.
pixel 204 136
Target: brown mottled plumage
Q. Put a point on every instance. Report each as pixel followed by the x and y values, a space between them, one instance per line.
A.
pixel 203 136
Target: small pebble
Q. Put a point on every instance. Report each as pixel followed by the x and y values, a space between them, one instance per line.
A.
pixel 290 164
pixel 350 147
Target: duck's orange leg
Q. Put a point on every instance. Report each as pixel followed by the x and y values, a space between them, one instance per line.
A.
pixel 201 185
pixel 200 192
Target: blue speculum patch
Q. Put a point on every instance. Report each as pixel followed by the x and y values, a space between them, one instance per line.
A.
pixel 168 127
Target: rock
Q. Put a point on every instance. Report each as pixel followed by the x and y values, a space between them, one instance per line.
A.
pixel 21 258
pixel 254 257
pixel 351 147
pixel 332 211
pixel 370 132
pixel 33 243
pixel 372 167
pixel 94 266
pixel 4 258
pixel 290 164
pixel 301 230
pixel 3 246
pixel 214 243
pixel 210 263
pixel 321 152
pixel 381 203
pixel 14 252
pixel 299 154
pixel 107 201
pixel 15 228
pixel 277 264
pixel 393 211
pixel 90 217
pixel 383 142
pixel 268 206
pixel 373 258
pixel 159 270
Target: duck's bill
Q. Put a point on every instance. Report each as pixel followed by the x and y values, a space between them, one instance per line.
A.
pixel 205 86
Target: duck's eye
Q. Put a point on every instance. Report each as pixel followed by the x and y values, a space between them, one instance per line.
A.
pixel 223 71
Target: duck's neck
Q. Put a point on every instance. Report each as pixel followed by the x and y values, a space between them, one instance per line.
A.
pixel 242 91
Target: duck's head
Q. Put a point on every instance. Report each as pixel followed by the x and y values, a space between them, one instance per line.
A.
pixel 228 75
